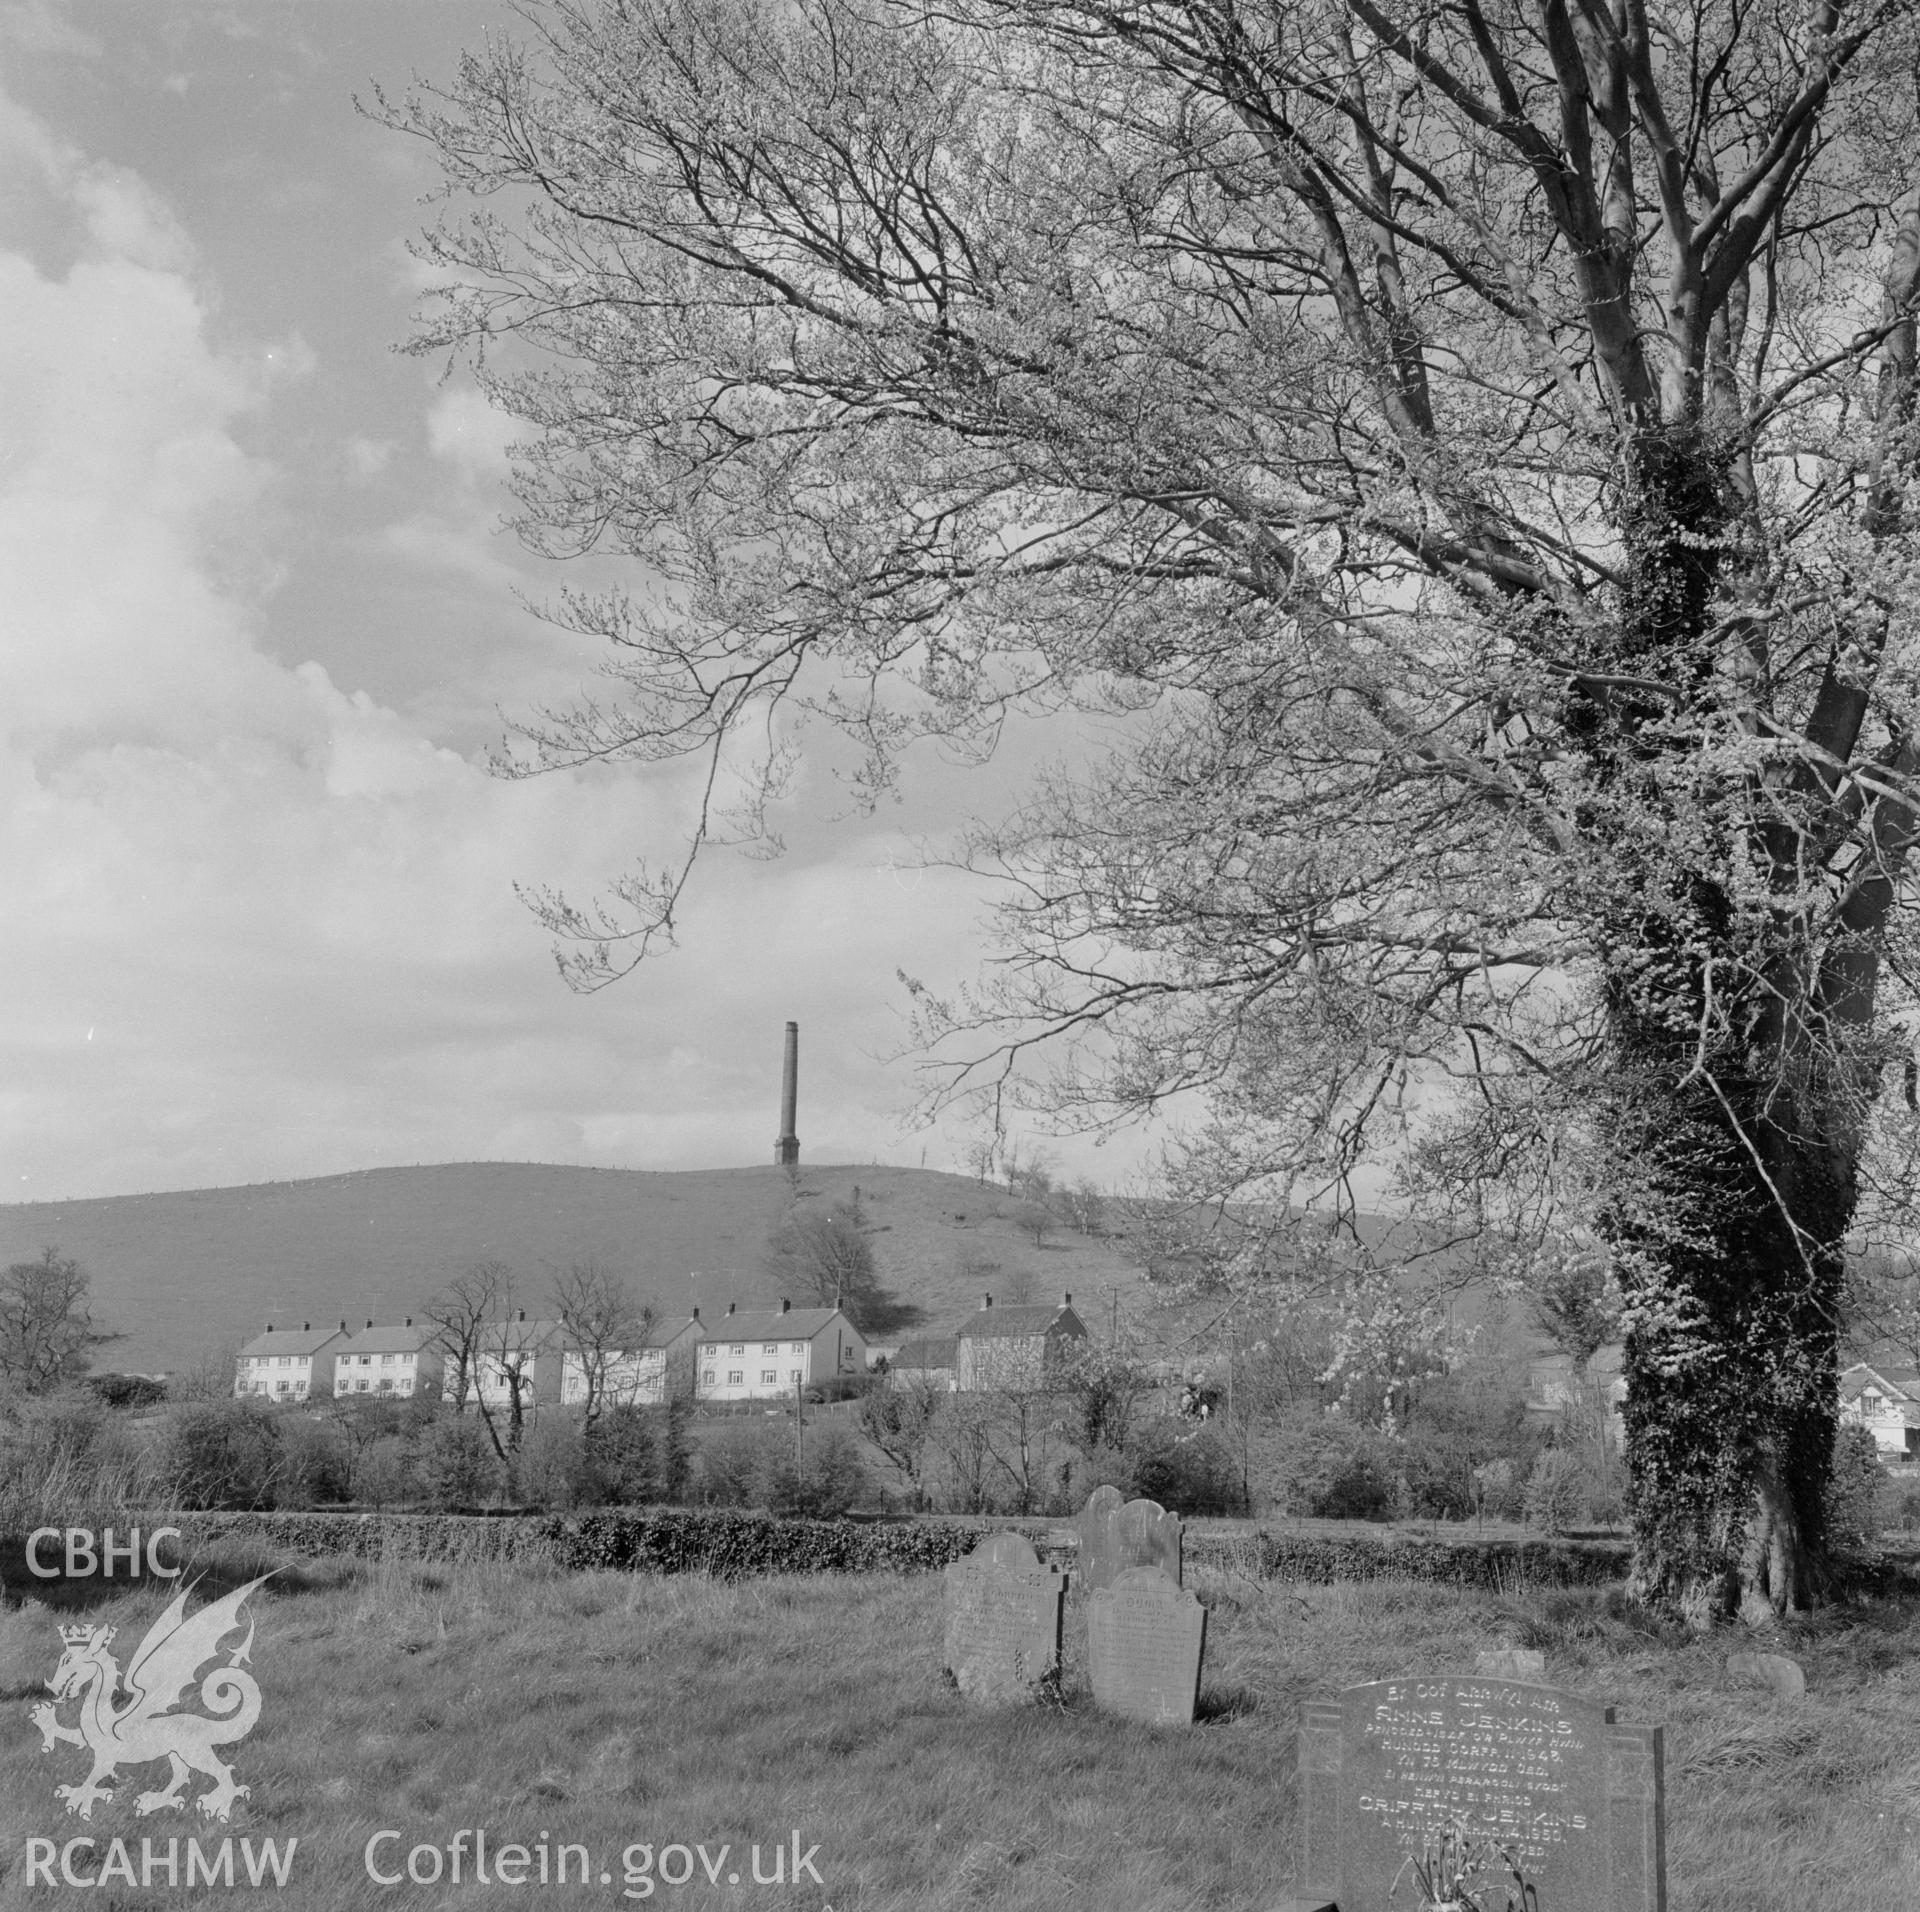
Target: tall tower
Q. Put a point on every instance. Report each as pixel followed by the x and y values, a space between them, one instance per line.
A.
pixel 786 1150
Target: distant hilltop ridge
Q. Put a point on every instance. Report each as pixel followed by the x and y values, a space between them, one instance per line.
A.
pixel 183 1276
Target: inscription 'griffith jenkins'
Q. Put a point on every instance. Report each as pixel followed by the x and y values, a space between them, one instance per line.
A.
pixel 1577 1797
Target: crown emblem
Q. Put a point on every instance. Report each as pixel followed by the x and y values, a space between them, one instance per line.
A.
pixel 79 1636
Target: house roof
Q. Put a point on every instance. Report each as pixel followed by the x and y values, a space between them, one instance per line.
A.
pixel 301 1340
pixel 930 1351
pixel 381 1339
pixel 1903 1382
pixel 771 1324
pixel 663 1334
pixel 1020 1323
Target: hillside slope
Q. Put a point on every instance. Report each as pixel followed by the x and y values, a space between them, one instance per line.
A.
pixel 185 1275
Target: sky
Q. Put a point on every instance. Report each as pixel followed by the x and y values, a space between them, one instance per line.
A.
pixel 261 626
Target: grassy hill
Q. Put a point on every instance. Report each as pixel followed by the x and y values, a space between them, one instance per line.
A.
pixel 187 1275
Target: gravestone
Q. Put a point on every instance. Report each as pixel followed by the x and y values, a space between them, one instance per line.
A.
pixel 1116 1535
pixel 1145 1639
pixel 1510 1663
pixel 1773 1670
pixel 1578 1797
pixel 1002 1611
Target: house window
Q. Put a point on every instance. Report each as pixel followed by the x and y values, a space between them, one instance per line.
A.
pixel 738 1347
pixel 771 1349
pixel 768 1378
pixel 283 1384
pixel 733 1377
pixel 796 1347
pixel 707 1377
pixel 359 1387
pixel 794 1374
pixel 386 1360
pixel 1870 1402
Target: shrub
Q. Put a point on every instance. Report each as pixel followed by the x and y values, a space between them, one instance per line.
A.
pixel 1556 1497
pixel 64 1453
pixel 622 1455
pixel 457 1466
pixel 550 1468
pixel 1852 1496
pixel 316 1463
pixel 1191 1472
pixel 127 1390
pixel 385 1473
pixel 829 1478
pixel 222 1454
pixel 736 1461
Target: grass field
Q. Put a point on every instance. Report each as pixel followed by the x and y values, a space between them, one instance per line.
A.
pixel 610 1712
pixel 184 1274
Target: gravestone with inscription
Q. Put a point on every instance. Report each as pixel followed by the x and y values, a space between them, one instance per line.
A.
pixel 1116 1535
pixel 1001 1611
pixel 1144 1642
pixel 1578 1797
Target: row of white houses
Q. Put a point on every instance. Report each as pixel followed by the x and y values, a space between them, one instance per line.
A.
pixel 760 1354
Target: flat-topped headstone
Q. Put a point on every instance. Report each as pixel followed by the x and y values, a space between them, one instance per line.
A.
pixel 1116 1535
pixel 1578 1797
pixel 1145 1639
pixel 1002 1611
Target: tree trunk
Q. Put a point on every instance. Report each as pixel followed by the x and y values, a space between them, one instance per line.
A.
pixel 1732 1364
pixel 1735 1119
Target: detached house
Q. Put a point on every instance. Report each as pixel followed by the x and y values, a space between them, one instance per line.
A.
pixel 1019 1348
pixel 289 1364
pixel 1886 1401
pixel 399 1361
pixel 769 1352
pixel 640 1377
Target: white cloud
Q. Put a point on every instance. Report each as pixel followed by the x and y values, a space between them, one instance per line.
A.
pixel 471 435
pixel 261 924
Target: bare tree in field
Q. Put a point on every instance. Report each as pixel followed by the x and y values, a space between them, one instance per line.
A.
pixel 603 1327
pixel 458 1315
pixel 1470 448
pixel 479 1337
pixel 46 1326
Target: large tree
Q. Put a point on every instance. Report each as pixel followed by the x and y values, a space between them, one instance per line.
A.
pixel 46 1327
pixel 1468 444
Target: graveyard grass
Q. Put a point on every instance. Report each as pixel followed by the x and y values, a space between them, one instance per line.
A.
pixel 606 1710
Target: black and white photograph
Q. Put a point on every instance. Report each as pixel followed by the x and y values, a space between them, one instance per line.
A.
pixel 960 954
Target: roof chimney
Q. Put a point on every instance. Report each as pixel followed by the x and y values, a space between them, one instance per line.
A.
pixel 786 1306
pixel 522 1315
pixel 1066 1300
pixel 696 1311
pixel 269 1327
pixel 343 1327
pixel 306 1327
pixel 730 1307
pixel 369 1321
pixel 986 1301
pixel 410 1317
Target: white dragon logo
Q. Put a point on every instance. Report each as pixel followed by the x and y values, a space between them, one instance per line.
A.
pixel 143 1729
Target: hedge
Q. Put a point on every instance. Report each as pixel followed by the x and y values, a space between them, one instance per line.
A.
pixel 1498 1565
pixel 722 1541
pixel 733 1545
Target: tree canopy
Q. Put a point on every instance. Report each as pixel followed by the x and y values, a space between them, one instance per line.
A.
pixel 46 1325
pixel 1464 449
